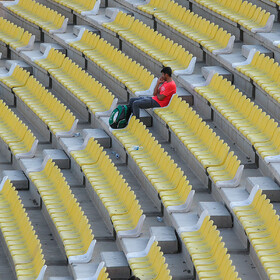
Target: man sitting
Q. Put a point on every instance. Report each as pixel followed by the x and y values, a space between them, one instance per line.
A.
pixel 163 92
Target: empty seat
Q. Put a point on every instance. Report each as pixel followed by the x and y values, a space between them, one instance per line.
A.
pixel 19 235
pixel 149 264
pixel 115 194
pixel 65 212
pixel 54 60
pixel 17 78
pixel 170 182
pixel 81 6
pixel 244 115
pixel 49 109
pixel 265 72
pixel 134 76
pixel 211 151
pixel 15 36
pixel 82 85
pixel 207 251
pixel 16 134
pixel 40 15
pixel 153 44
pixel 199 29
pixel 262 226
pixel 246 14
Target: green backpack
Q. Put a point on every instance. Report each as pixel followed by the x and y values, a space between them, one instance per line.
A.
pixel 119 117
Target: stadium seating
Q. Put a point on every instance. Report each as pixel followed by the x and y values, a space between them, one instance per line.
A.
pixel 101 273
pixel 149 264
pixel 49 109
pixel 244 115
pixel 209 256
pixel 169 180
pixel 191 25
pixel 20 237
pixel 153 43
pixel 53 59
pixel 134 76
pixel 202 142
pixel 64 211
pixel 262 226
pixel 40 15
pixel 83 7
pixel 264 71
pixel 119 200
pixel 16 134
pixel 15 36
pixel 96 96
pixel 246 14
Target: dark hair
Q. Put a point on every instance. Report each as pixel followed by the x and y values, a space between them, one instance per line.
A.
pixel 167 70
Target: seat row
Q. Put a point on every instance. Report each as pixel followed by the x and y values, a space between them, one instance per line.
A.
pixel 162 172
pixel 38 14
pixel 207 251
pixel 15 36
pixel 212 153
pixel 191 25
pixel 64 210
pixel 82 85
pixel 254 124
pixel 134 76
pixel 48 108
pixel 265 72
pixel 115 194
pixel 16 134
pixel 262 226
pixel 149 264
pixel 152 43
pixel 19 235
pixel 245 13
pixel 82 7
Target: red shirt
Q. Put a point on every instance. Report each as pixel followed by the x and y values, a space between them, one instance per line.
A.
pixel 167 89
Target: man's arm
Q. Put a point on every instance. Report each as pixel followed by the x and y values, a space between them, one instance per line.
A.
pixel 156 89
pixel 160 96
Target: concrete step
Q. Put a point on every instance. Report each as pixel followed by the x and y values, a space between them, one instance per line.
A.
pixel 59 157
pixel 268 186
pixel 166 238
pixel 116 264
pixel 17 177
pixel 217 212
pixel 99 135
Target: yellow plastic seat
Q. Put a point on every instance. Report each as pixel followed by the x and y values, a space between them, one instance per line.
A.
pixel 150 42
pixel 16 134
pixel 114 62
pixel 208 253
pixel 51 111
pixel 78 6
pixel 17 79
pixel 22 241
pixel 172 186
pixel 117 197
pixel 150 263
pixel 96 97
pixel 261 224
pixel 38 14
pixel 199 139
pixel 265 72
pixel 243 114
pixel 243 12
pixel 63 208
pixel 189 24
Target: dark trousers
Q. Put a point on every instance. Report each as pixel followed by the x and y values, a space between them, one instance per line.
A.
pixel 135 104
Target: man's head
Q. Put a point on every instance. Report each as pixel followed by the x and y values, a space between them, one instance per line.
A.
pixel 166 73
